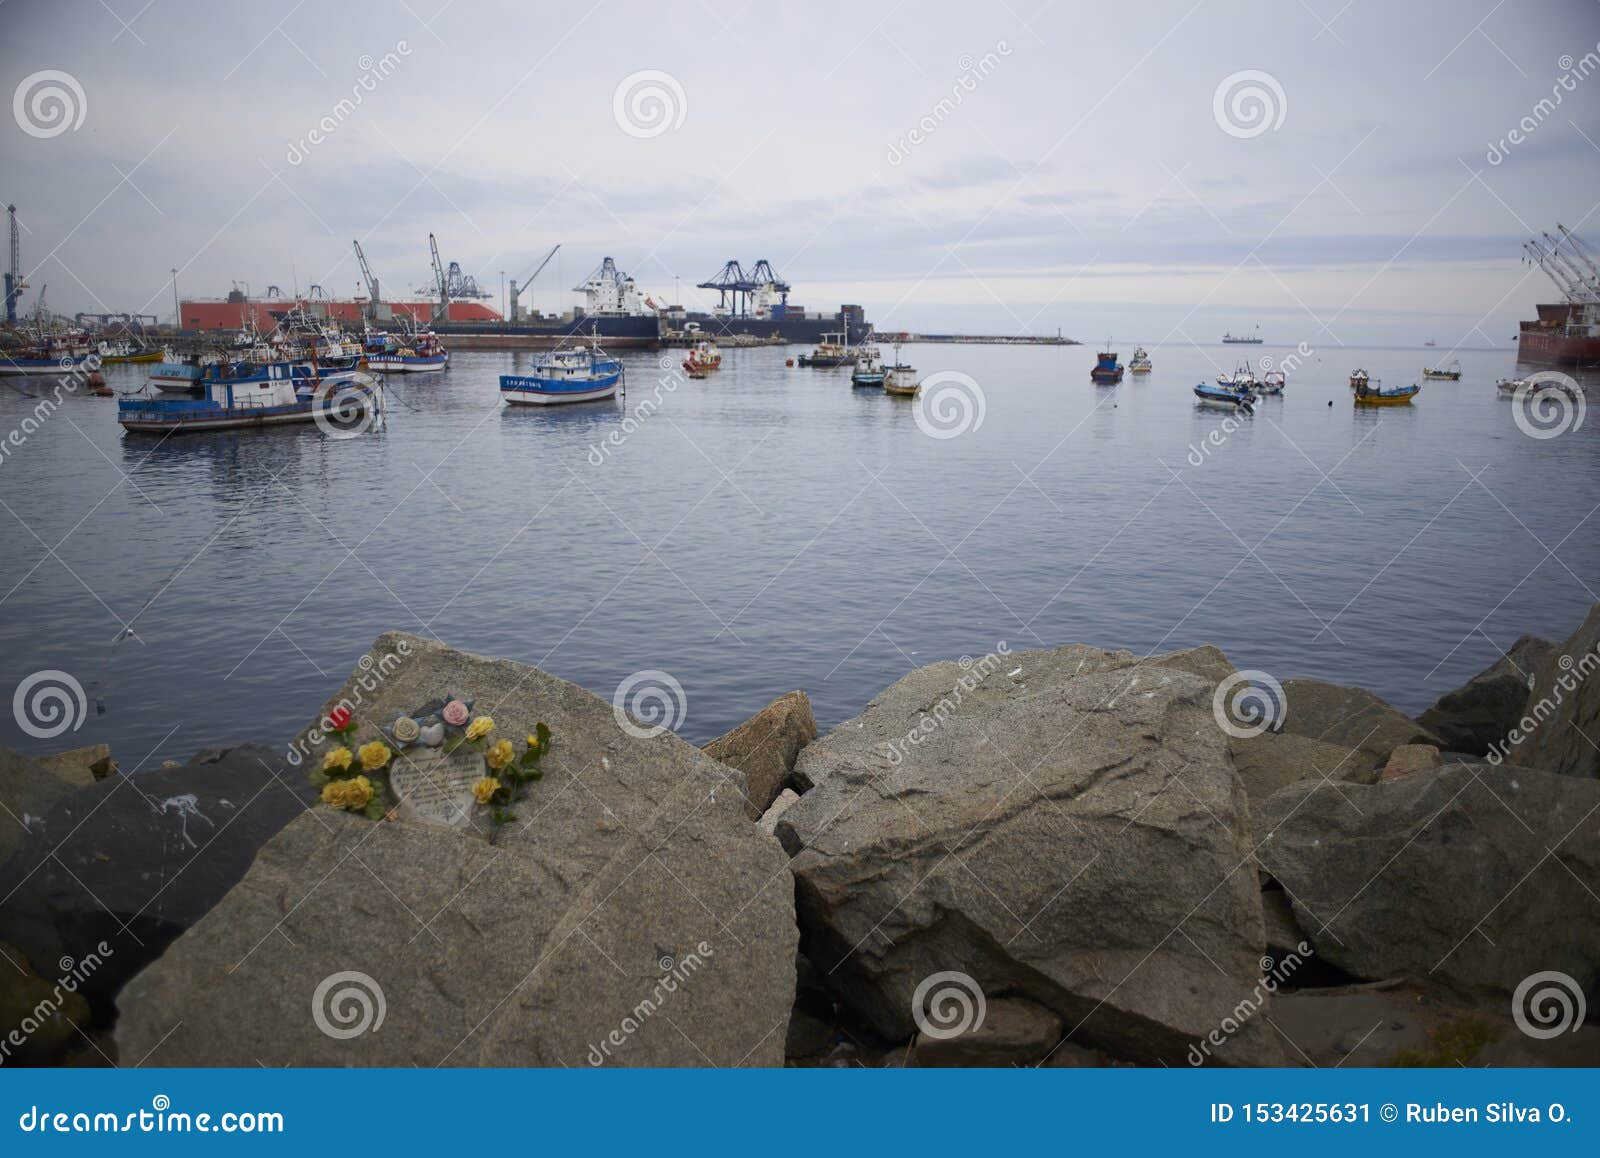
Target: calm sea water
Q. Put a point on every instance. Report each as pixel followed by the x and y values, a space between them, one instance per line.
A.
pixel 769 528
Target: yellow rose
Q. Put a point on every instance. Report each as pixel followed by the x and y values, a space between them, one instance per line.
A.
pixel 533 745
pixel 374 755
pixel 337 760
pixel 480 728
pixel 354 794
pixel 499 754
pixel 485 789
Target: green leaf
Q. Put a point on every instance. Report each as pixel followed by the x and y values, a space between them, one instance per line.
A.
pixel 452 743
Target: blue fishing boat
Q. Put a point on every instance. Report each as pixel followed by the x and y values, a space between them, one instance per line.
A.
pixel 577 374
pixel 1225 398
pixel 869 369
pixel 250 395
pixel 1107 370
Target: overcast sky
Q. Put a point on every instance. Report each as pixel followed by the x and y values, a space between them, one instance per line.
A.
pixel 1084 175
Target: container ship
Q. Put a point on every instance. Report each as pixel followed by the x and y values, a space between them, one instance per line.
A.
pixel 1566 333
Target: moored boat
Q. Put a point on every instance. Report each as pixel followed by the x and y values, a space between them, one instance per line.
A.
pixel 832 351
pixel 1107 371
pixel 255 396
pixel 413 353
pixel 1272 382
pixel 1224 398
pixel 869 369
pixel 1242 378
pixel 1537 384
pixel 124 351
pixel 900 379
pixel 1448 372
pixel 576 374
pixel 703 357
pixel 1140 362
pixel 1372 393
pixel 27 362
pixel 1358 379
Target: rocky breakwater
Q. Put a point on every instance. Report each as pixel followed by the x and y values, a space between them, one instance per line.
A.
pixel 1061 830
pixel 625 911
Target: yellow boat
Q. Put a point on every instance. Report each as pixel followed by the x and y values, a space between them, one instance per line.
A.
pixel 1372 393
pixel 125 353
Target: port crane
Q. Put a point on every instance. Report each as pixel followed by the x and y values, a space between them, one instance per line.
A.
pixel 373 296
pixel 732 282
pixel 1560 269
pixel 441 283
pixel 14 283
pixel 520 288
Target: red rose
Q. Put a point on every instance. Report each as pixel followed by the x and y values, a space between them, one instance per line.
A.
pixel 339 719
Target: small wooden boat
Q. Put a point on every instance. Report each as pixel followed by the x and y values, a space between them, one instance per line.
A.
pixel 704 357
pixel 1242 378
pixel 833 350
pixel 577 374
pixel 900 380
pixel 1272 382
pixel 1372 393
pixel 869 369
pixel 1508 387
pixel 125 352
pixel 1446 373
pixel 1358 379
pixel 1224 398
pixel 1107 371
pixel 1140 362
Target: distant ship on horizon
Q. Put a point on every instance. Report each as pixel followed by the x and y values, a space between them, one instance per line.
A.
pixel 1242 340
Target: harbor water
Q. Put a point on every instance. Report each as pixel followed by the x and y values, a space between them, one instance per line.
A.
pixel 769 528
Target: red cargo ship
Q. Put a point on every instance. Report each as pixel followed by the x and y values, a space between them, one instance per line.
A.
pixel 1565 333
pixel 238 311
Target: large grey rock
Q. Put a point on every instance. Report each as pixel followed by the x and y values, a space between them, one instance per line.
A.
pixel 132 861
pixel 1469 876
pixel 1351 718
pixel 1072 834
pixel 765 747
pixel 632 914
pixel 1483 710
pixel 1560 726
pixel 1273 760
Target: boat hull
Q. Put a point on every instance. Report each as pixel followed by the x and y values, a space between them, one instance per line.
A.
pixel 823 363
pixel 522 390
pixel 38 367
pixel 177 417
pixel 1105 377
pixel 407 364
pixel 1386 399
pixel 867 380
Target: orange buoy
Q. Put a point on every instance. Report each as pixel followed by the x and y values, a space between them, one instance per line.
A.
pixel 788 361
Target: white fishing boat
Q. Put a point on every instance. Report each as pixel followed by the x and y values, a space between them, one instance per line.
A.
pixel 576 374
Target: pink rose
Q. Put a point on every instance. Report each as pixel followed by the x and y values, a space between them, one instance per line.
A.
pixel 455 713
